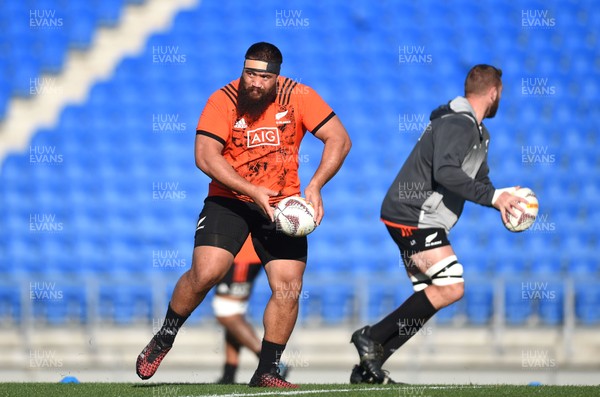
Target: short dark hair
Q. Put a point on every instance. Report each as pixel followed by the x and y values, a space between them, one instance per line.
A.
pixel 481 77
pixel 265 52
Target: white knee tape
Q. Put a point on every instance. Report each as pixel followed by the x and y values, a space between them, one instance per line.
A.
pixel 420 281
pixel 446 272
pixel 224 307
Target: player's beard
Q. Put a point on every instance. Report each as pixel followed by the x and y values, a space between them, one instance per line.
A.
pixel 250 106
pixel 493 109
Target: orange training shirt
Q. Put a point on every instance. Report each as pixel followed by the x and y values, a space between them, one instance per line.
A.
pixel 265 153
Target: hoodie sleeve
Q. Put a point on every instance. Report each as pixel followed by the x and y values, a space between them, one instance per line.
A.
pixel 483 175
pixel 452 141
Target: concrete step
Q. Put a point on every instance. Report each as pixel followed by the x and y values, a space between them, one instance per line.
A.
pixel 326 347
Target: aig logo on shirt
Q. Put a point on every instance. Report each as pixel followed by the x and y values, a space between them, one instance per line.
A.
pixel 266 136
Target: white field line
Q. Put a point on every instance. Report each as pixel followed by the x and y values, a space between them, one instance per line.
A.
pixel 289 393
pixel 302 392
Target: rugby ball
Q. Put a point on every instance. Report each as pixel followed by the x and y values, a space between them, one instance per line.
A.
pixel 525 219
pixel 295 217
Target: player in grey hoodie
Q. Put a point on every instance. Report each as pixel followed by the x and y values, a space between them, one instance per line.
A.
pixel 447 166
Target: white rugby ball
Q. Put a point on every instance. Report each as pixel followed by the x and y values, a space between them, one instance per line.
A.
pixel 295 217
pixel 525 219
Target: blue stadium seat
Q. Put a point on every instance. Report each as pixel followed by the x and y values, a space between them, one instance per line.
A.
pixel 479 301
pixel 125 304
pixel 57 248
pixel 546 263
pixel 324 260
pixel 10 303
pixel 5 85
pixel 508 263
pixel 583 264
pixel 25 76
pixel 80 23
pixel 551 304
pixel 381 301
pixel 311 307
pixel 109 11
pixel 518 307
pixel 89 255
pixel 587 302
pixel 23 255
pixel 258 300
pixel 71 307
pixel 52 50
pixel 448 313
pixel 403 290
pixel 338 303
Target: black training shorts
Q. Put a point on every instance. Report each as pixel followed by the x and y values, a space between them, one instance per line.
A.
pixel 418 240
pixel 226 222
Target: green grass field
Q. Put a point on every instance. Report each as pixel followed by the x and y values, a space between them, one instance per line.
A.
pixel 333 390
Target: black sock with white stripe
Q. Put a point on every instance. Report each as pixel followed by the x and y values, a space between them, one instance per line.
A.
pixel 270 354
pixel 171 326
pixel 404 322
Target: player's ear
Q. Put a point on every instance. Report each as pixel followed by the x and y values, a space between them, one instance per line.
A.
pixel 493 93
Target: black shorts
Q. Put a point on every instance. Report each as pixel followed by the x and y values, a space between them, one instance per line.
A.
pixel 226 222
pixel 418 240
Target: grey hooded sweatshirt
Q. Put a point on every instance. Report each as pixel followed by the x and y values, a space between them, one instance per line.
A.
pixel 447 166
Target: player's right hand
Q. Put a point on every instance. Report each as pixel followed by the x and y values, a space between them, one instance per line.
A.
pixel 313 197
pixel 507 202
pixel 260 195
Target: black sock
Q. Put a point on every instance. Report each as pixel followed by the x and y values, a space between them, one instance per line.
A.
pixel 229 372
pixel 270 354
pixel 414 318
pixel 170 327
pixel 415 311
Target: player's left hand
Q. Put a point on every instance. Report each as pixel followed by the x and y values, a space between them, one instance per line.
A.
pixel 313 197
